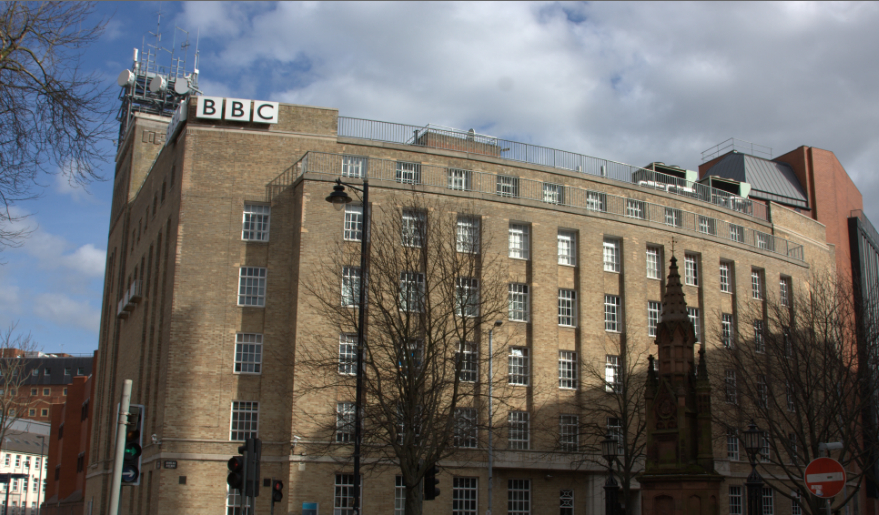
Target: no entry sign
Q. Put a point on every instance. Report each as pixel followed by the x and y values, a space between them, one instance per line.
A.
pixel 825 477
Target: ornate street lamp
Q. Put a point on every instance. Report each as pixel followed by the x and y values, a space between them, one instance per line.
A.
pixel 610 451
pixel 338 198
pixel 752 439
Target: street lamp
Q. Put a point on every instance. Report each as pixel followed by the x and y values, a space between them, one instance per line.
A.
pixel 497 323
pixel 610 450
pixel 40 492
pixel 754 483
pixel 338 198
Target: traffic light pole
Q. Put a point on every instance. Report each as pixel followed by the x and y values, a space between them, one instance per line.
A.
pixel 121 432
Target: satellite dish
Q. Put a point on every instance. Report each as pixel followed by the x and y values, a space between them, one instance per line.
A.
pixel 157 84
pixel 181 87
pixel 126 78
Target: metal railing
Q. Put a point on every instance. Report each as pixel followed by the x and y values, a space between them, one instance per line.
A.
pixel 736 144
pixel 590 200
pixel 474 143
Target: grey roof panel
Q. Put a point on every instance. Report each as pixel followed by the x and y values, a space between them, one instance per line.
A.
pixel 768 179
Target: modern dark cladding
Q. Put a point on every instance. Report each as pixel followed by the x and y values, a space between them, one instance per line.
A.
pixel 56 370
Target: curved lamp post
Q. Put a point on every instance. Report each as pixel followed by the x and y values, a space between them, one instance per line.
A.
pixel 338 198
pixel 610 451
pixel 754 483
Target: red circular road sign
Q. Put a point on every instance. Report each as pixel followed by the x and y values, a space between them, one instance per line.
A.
pixel 825 477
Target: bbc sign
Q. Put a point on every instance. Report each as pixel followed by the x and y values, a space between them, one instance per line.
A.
pixel 237 110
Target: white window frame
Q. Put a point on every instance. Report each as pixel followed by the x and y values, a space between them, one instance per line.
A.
pixel 466 435
pixel 707 225
pixel 412 228
pixel 252 286
pixel 691 270
pixel 732 444
pixel 507 186
pixel 765 447
pixel 348 354
pixel 615 431
pixel 764 241
pixel 256 222
pixel 737 233
pixel 612 314
pixel 345 412
pixel 460 179
pixel 768 501
pixel 519 423
pixel 784 291
pixel 518 302
pixel 736 500
pixel 725 276
pixel 756 285
pixel 567 369
pixel 469 358
pixel 727 330
pixel 343 494
pixel 653 268
pixel 612 374
pixel 350 286
pixel 467 234
pixel 408 172
pixel 399 496
pixel 759 341
pixel 796 507
pixel 248 353
pixel 244 421
pixel 518 366
pixel 596 201
pixel 354 167
pixel 762 391
pixel 673 217
pixel 233 502
pixel 553 193
pixel 412 292
pixel 467 297
pixel 654 311
pixel 790 398
pixel 569 433
pixel 519 241
pixel 519 497
pixel 611 248
pixel 353 228
pixel 567 308
pixel 567 247
pixel 693 315
pixel 465 496
pixel 635 208
pixel 731 393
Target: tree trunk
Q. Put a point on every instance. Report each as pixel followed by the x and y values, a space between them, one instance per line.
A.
pixel 413 501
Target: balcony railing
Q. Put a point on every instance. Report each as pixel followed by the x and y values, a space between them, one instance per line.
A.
pixel 130 298
pixel 594 201
pixel 474 143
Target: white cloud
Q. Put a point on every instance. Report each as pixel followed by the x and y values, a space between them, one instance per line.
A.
pixel 60 309
pixel 65 185
pixel 10 299
pixel 87 260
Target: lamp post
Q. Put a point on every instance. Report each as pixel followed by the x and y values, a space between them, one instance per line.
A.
pixel 497 323
pixel 610 450
pixel 754 483
pixel 40 493
pixel 338 198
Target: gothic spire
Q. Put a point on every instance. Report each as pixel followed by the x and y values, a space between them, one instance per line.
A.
pixel 674 307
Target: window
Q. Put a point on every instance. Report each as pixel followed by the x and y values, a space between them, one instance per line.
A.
pixel 673 217
pixel 762 391
pixel 768 501
pixel 635 208
pixel 518 302
pixel 764 241
pixel 519 497
pixel 44 412
pixel 612 313
pixel 567 247
pixel 35 372
pixel 251 288
pixel 248 353
pixel 611 255
pixel 343 494
pixel 46 392
pixel 350 286
pixel 6 460
pixel 353 223
pixel 467 239
pixel 569 433
pixel 726 330
pixel 612 377
pixel 764 447
pixel 566 502
pixel 790 398
pixel 567 308
pixel 354 167
pixel 412 228
pixel 615 430
pixel 412 356
pixel 460 179
pixel 518 366
pixel 732 444
pixel 348 354
pixel 756 285
pixel 411 291
pixel 256 222
pixel 465 492
pixel 519 242
pixel 399 496
pixel 693 315
pixel 31 412
pixel 691 270
pixel 465 428
pixel 245 420
pixel 737 233
pixel 553 193
pixel 792 447
pixel 731 386
pixel 596 201
pixel 567 369
pixel 507 186
pixel 408 173
pixel 66 372
pixel 786 342
pixel 344 422
pixel 519 430
pixel 724 278
pixel 468 359
pixel 34 392
pixel 784 291
pixel 653 311
pixel 759 343
pixel 17 460
pixel 707 225
pixel 653 263
pixel 735 500
pixel 795 507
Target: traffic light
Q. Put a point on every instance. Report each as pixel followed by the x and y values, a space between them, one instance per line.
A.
pixel 131 459
pixel 430 484
pixel 235 479
pixel 277 494
pixel 253 455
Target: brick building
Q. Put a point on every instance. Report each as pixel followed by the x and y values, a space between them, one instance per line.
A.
pixel 47 378
pixel 213 225
pixel 24 452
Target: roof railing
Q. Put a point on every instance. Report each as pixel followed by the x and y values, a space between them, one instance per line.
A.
pixel 739 145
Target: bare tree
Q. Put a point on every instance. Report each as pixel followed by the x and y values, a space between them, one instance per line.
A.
pixel 435 289
pixel 14 352
pixel 52 115
pixel 793 370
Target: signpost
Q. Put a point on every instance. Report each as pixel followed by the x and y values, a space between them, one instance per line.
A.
pixel 825 477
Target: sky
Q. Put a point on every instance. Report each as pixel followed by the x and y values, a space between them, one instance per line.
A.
pixel 630 82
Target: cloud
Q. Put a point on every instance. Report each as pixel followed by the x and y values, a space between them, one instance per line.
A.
pixel 66 185
pixel 87 260
pixel 62 310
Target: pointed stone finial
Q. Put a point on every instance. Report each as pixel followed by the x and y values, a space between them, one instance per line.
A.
pixel 674 307
pixel 703 368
